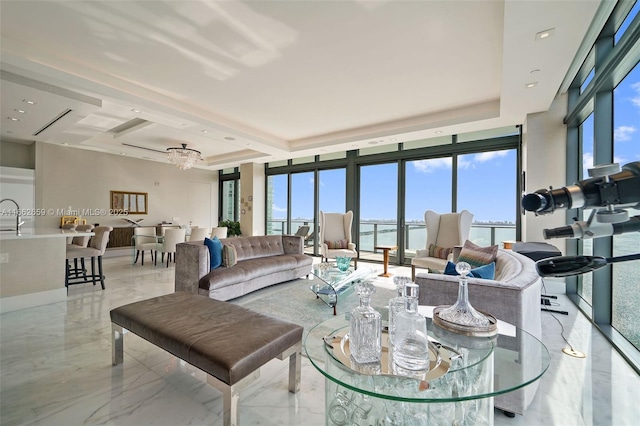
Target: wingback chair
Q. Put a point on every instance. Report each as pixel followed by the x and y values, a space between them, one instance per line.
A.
pixel 444 231
pixel 335 236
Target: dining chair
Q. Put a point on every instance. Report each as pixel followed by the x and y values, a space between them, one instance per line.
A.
pixel 171 238
pixel 144 238
pixel 198 234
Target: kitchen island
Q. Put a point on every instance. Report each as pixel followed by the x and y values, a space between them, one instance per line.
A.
pixel 32 267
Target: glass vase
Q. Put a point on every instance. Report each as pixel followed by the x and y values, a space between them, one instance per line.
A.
pixel 462 312
pixel 365 327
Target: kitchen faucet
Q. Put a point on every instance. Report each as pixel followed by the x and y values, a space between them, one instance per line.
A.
pixel 19 222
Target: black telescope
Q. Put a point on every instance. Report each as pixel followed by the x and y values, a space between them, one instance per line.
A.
pixel 621 188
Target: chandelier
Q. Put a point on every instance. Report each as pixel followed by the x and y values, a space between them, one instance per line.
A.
pixel 184 158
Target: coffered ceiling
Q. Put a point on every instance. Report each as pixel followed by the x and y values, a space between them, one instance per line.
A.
pixel 257 81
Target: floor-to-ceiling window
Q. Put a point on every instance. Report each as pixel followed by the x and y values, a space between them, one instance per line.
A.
pixel 487 182
pixel 603 128
pixel 585 283
pixel 626 148
pixel 229 195
pixel 277 204
pixel 378 208
pixel 427 187
pixel 302 200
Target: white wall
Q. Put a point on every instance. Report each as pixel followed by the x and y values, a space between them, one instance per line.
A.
pixel 19 185
pixel 544 163
pixel 83 179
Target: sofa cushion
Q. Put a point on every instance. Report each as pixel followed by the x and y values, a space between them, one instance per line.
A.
pixel 229 255
pixel 256 246
pixel 439 252
pixel 337 245
pixel 485 272
pixel 215 251
pixel 475 255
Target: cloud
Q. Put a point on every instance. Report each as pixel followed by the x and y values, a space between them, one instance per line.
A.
pixel 275 208
pixel 635 100
pixel 587 161
pixel 488 156
pixel 623 133
pixel 431 165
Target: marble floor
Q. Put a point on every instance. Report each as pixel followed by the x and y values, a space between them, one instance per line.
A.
pixel 55 365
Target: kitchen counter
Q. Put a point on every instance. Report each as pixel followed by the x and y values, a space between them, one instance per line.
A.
pixel 29 233
pixel 32 267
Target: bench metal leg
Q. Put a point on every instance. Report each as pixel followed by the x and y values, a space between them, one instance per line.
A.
pixel 117 345
pixel 231 396
pixel 295 365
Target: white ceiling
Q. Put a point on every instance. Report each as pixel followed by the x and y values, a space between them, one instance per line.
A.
pixel 271 80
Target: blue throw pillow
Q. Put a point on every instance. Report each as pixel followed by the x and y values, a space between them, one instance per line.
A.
pixel 215 251
pixel 486 272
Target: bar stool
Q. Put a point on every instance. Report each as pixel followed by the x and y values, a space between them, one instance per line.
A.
pixel 96 248
pixel 82 242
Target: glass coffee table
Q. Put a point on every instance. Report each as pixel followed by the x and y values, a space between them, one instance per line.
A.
pixel 460 390
pixel 329 282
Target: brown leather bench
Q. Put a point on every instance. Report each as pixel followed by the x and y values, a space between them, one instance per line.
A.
pixel 228 342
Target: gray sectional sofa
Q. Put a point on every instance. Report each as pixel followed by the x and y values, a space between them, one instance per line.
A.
pixel 261 261
pixel 513 296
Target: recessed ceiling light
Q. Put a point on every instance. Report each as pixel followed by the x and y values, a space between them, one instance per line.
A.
pixel 29 101
pixel 249 144
pixel 438 132
pixel 135 110
pixel 530 85
pixel 542 35
pixel 13 119
pixel 229 138
pixel 65 144
pixel 204 131
pixel 392 139
pixel 122 153
pixel 21 111
pixel 373 142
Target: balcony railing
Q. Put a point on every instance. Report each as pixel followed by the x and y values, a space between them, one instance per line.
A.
pixel 374 233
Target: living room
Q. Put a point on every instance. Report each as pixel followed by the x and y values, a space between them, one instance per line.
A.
pixel 547 154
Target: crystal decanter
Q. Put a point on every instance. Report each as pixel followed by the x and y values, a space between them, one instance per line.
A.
pixel 411 348
pixel 396 304
pixel 462 312
pixel 365 327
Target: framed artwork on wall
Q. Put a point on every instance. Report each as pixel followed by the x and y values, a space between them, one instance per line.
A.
pixel 129 202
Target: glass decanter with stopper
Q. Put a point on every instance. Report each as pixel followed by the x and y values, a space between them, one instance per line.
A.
pixel 396 304
pixel 462 312
pixel 411 347
pixel 365 327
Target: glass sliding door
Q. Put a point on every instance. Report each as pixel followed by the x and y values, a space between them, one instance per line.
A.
pixel 427 187
pixel 302 201
pixel 332 194
pixel 277 204
pixel 378 210
pixel 486 187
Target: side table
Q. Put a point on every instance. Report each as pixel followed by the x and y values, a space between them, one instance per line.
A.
pixel 385 257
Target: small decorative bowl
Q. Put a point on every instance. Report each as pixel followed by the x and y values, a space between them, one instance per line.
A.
pixel 343 262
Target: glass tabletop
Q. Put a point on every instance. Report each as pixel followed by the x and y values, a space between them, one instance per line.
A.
pixel 478 367
pixel 332 282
